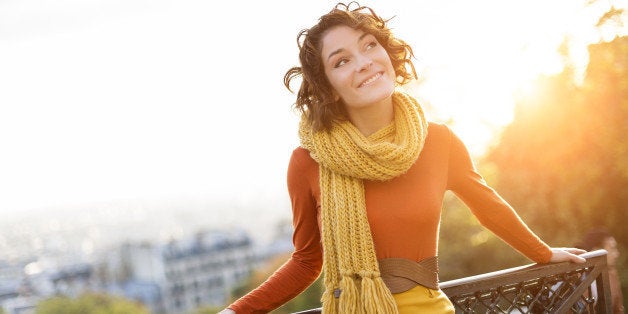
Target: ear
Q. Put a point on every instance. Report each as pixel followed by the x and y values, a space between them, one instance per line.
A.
pixel 336 96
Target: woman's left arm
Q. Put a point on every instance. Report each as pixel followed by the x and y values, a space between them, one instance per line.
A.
pixel 494 212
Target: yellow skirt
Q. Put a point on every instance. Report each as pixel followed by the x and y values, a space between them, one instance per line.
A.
pixel 423 300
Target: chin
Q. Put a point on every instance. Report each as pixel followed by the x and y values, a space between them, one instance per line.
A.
pixel 383 93
pixel 374 98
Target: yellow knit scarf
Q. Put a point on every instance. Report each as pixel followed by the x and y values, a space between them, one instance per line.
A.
pixel 346 157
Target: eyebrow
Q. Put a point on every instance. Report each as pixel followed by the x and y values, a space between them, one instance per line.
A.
pixel 335 52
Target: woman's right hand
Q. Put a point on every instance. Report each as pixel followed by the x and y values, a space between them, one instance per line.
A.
pixel 227 311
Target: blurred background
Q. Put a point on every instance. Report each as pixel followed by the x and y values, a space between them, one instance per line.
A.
pixel 144 144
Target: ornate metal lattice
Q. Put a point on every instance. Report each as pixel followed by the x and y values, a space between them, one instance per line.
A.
pixel 552 288
pixel 543 295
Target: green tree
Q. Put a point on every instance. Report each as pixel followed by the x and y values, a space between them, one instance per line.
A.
pixel 563 162
pixel 90 303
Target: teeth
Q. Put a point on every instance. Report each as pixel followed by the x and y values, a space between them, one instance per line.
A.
pixel 371 80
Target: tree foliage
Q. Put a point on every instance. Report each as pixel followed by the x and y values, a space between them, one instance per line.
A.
pixel 563 162
pixel 90 303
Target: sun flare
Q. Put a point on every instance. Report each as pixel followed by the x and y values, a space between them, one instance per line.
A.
pixel 479 71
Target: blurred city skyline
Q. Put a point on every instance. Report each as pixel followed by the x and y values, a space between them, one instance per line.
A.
pixel 155 104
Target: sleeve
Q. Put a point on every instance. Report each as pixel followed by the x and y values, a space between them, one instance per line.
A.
pixel 492 211
pixel 305 263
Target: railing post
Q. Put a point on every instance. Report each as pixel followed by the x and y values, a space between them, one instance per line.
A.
pixel 604 302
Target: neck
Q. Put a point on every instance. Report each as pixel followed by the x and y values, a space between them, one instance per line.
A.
pixel 373 118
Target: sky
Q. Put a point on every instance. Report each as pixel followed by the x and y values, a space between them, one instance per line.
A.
pixel 162 100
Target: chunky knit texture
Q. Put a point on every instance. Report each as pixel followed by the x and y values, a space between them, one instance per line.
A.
pixel 353 283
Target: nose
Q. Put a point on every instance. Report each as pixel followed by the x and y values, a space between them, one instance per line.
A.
pixel 364 63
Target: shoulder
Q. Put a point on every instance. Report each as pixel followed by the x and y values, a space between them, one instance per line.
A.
pixel 438 132
pixel 301 155
pixel 301 161
pixel 302 171
pixel 442 139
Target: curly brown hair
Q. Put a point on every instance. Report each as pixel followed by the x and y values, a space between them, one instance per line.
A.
pixel 315 98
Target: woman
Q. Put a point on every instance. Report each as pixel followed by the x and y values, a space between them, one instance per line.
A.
pixel 368 181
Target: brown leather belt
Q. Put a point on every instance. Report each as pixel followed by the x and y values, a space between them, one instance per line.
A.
pixel 401 274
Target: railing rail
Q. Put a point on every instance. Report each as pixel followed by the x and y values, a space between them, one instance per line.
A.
pixel 537 288
pixel 547 288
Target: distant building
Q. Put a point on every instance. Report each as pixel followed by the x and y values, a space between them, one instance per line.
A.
pixel 21 296
pixel 173 277
pixel 20 305
pixel 183 275
pixel 9 293
pixel 10 282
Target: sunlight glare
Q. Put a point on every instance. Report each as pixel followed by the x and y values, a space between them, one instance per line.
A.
pixel 486 60
pixel 122 100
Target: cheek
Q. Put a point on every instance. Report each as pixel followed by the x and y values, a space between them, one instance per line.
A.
pixel 339 81
pixel 386 59
pixel 391 68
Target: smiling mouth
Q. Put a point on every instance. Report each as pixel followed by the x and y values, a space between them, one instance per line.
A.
pixel 371 79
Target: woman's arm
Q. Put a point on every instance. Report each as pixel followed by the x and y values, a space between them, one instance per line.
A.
pixel 495 213
pixel 305 263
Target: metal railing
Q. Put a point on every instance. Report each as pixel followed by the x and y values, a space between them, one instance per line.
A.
pixel 536 288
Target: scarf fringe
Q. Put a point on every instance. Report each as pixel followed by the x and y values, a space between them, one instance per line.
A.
pixel 349 301
pixel 371 296
pixel 376 297
pixel 328 300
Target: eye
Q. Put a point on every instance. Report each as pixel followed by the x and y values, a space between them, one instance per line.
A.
pixel 371 44
pixel 341 62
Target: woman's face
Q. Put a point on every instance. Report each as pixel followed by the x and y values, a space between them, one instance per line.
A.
pixel 358 67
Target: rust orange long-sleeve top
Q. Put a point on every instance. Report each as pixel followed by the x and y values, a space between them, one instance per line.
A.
pixel 404 215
